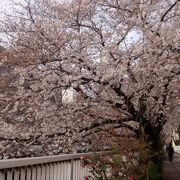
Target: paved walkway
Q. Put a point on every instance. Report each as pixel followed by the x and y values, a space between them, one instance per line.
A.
pixel 171 170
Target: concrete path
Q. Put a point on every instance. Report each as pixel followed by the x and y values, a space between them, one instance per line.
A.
pixel 171 170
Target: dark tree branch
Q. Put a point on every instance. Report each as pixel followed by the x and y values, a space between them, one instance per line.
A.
pixel 168 10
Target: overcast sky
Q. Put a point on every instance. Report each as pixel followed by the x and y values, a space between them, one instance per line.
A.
pixel 6 6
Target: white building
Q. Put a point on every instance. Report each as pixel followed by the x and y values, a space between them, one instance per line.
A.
pixel 68 95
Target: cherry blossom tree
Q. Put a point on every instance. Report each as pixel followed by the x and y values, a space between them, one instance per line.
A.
pixel 120 58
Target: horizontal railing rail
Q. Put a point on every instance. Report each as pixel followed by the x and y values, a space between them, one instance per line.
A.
pixel 10 163
pixel 60 167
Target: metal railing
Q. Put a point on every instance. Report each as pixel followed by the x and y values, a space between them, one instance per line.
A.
pixel 60 167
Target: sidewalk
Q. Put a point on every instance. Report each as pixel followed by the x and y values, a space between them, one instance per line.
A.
pixel 171 170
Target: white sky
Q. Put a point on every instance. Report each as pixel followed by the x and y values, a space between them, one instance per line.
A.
pixel 6 6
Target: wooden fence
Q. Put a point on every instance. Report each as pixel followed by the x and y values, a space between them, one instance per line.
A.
pixel 60 167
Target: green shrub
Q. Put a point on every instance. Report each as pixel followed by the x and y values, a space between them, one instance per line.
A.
pixel 156 165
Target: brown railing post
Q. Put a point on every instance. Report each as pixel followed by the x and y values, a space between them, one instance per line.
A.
pixel 72 168
pixel 2 175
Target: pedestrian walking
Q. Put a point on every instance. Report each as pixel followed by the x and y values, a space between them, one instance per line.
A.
pixel 170 152
pixel 167 146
